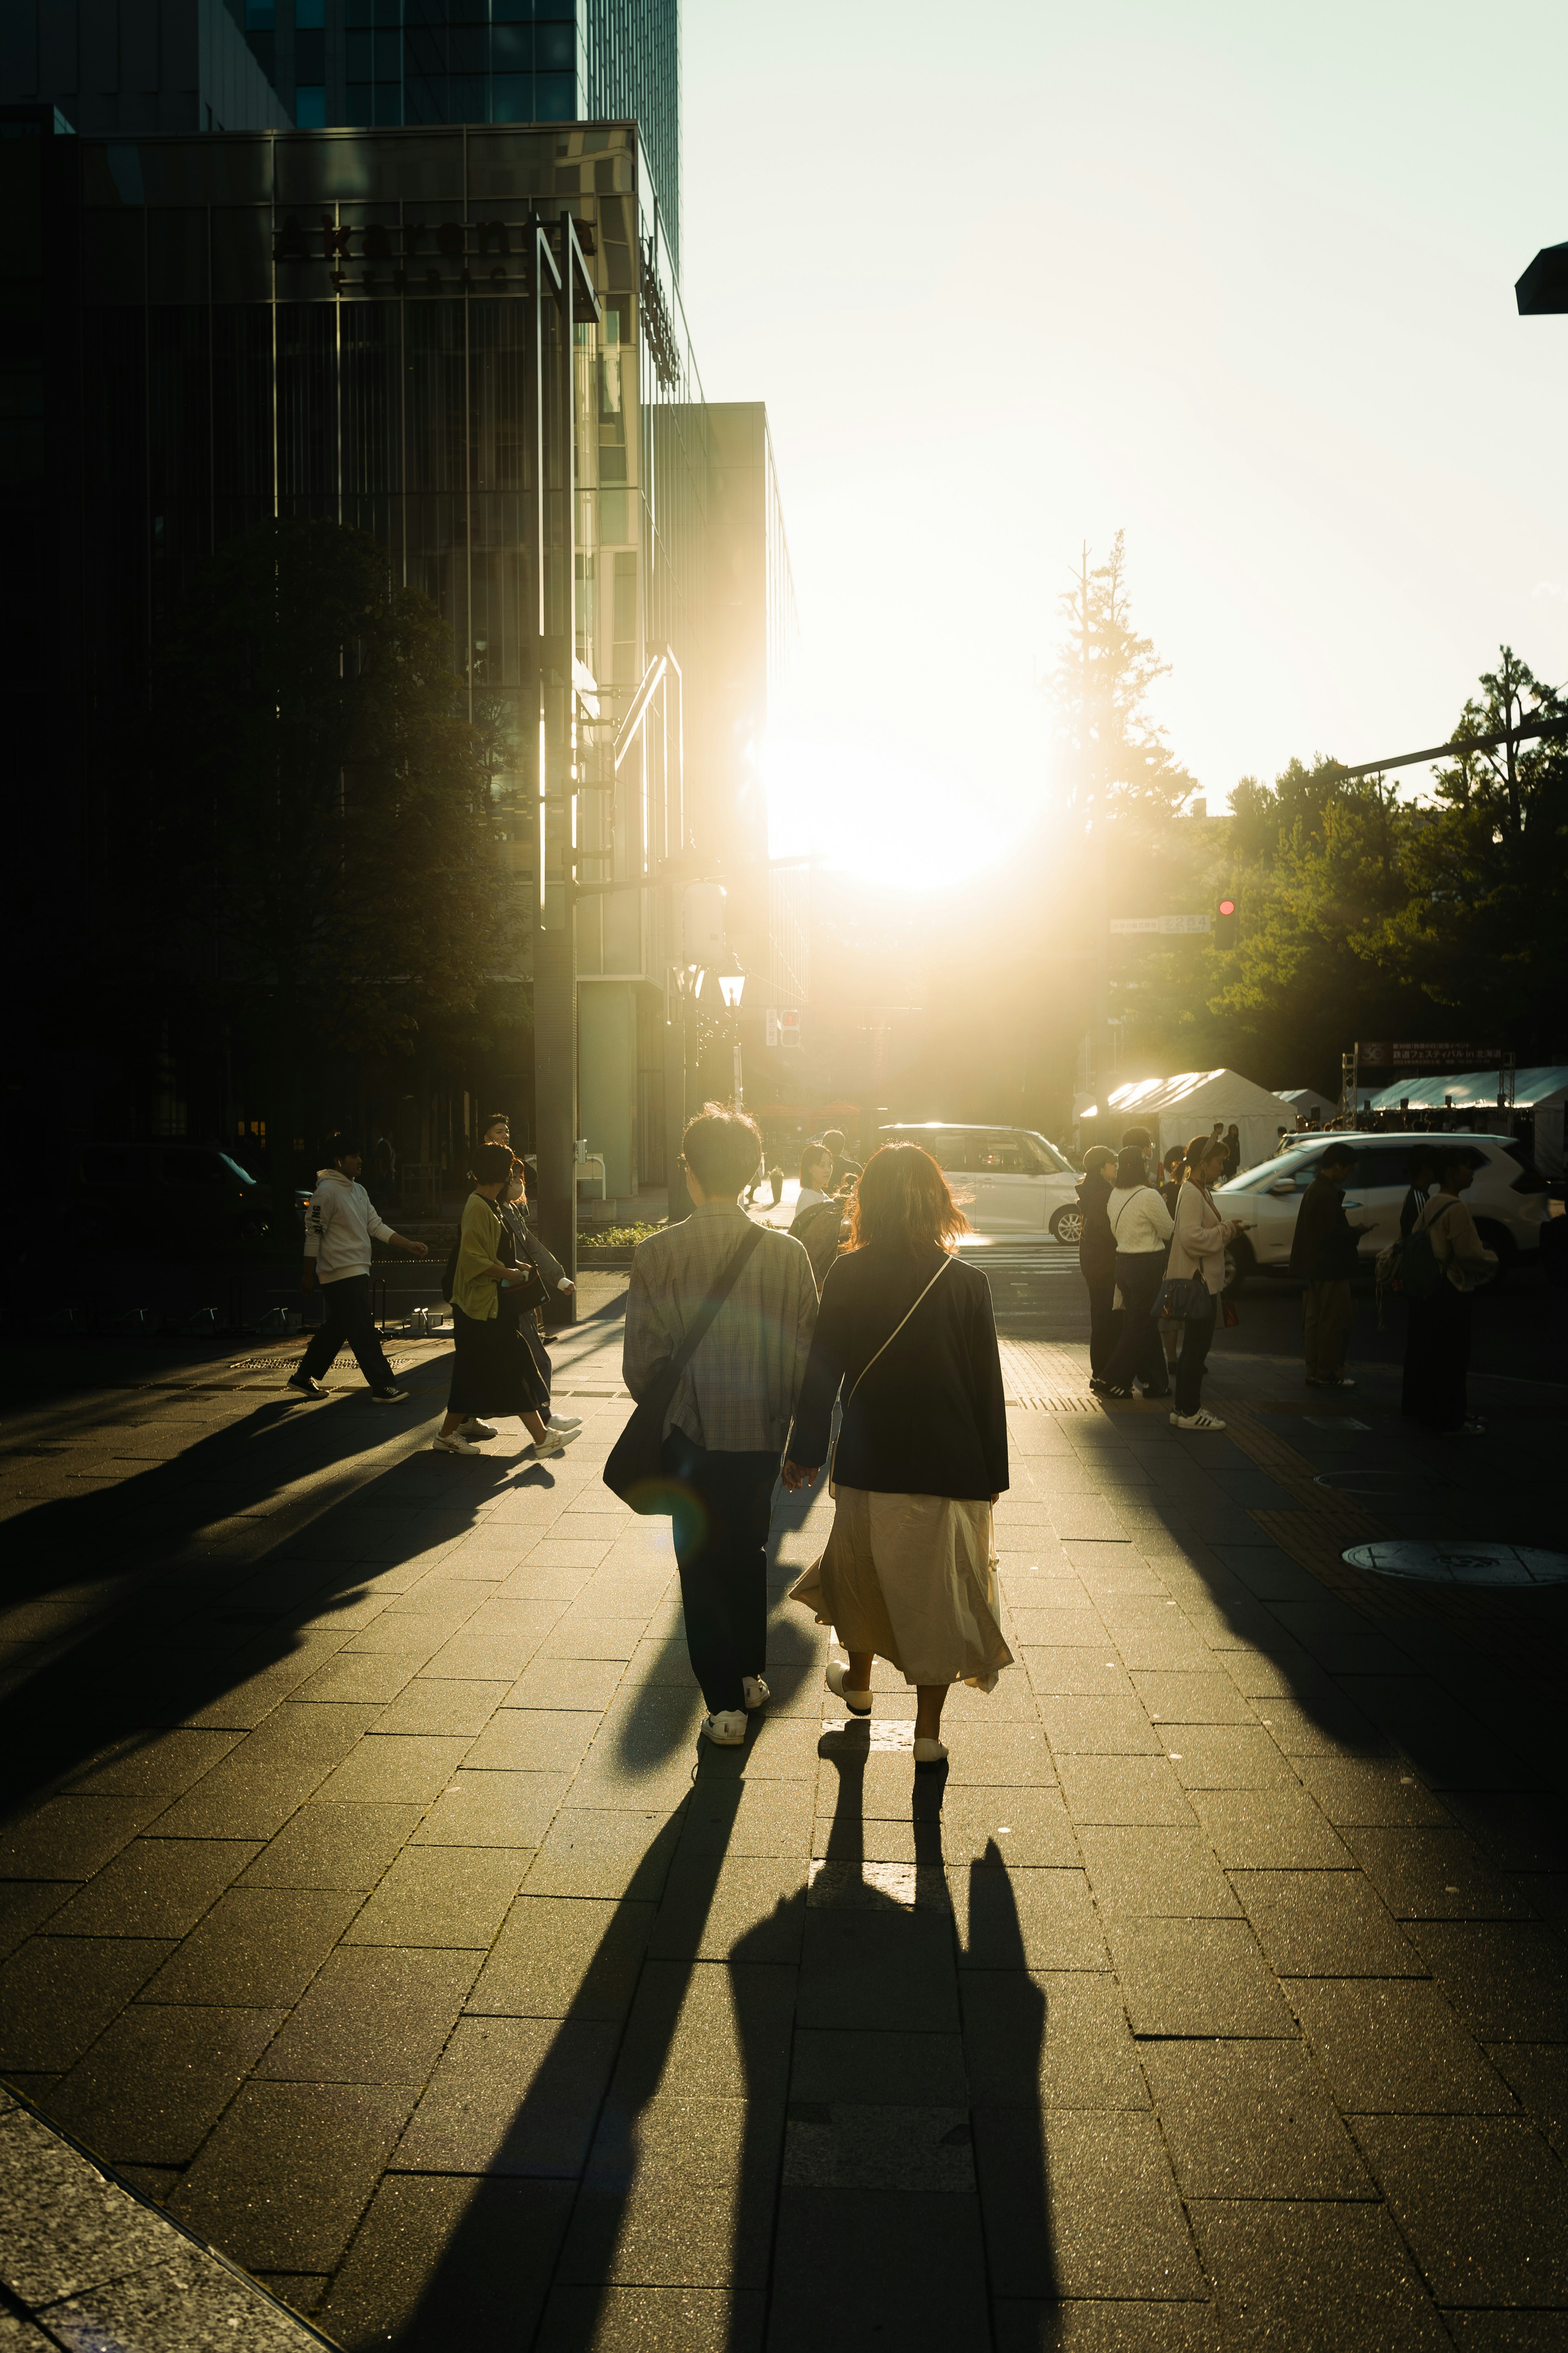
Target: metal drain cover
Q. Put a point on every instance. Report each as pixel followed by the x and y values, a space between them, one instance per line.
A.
pixel 1477 1563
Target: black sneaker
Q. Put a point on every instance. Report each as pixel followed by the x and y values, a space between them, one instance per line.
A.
pixel 387 1397
pixel 306 1384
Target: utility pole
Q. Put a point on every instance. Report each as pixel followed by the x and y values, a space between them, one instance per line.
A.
pixel 1099 886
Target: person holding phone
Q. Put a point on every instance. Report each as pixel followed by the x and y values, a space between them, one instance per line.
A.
pixel 1197 1254
pixel 1323 1254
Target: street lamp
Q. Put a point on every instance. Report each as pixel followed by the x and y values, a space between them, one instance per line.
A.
pixel 732 988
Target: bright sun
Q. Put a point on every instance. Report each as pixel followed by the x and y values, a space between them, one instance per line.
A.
pixel 898 817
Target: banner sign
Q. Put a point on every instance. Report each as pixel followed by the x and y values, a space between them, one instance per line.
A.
pixel 1442 1057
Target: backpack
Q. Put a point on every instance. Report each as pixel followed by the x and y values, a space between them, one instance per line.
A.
pixel 1420 1269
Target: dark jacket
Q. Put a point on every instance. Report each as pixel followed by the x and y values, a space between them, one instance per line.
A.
pixel 1096 1244
pixel 1410 1209
pixel 821 1227
pixel 1324 1248
pixel 929 1419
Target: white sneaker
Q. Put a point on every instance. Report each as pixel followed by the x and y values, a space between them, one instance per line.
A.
pixel 475 1428
pixel 756 1691
pixel 727 1729
pixel 455 1444
pixel 554 1441
pixel 930 1752
pixel 564 1421
pixel 859 1703
pixel 1199 1420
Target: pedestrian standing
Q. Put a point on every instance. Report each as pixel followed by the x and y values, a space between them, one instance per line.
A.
pixel 527 1250
pixel 341 1226
pixel 1096 1253
pixel 1174 1165
pixel 1422 1183
pixel 1232 1152
pixel 1324 1255
pixel 731 1413
pixel 495 1370
pixel 1140 1227
pixel 1139 1138
pixel 1197 1260
pixel 815 1178
pixel 905 1334
pixel 842 1165
pixel 1437 1329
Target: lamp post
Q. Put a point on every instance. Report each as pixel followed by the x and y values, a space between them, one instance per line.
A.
pixel 732 988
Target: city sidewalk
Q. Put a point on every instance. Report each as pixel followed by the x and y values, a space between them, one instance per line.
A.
pixel 371 1907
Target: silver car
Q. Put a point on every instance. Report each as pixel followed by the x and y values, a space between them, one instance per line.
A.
pixel 1508 1199
pixel 1009 1180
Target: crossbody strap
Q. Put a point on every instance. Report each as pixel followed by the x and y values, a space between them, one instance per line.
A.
pixel 698 1331
pixel 898 1327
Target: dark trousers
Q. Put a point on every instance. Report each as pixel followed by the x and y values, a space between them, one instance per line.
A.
pixel 721 1551
pixel 348 1322
pixel 1104 1322
pixel 1196 1333
pixel 1138 1352
pixel 1437 1358
pixel 1328 1311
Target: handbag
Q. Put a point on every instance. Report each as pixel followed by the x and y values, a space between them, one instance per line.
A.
pixel 635 1471
pixel 1184 1298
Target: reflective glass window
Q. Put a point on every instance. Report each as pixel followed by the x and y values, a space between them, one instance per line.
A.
pixel 511 49
pixel 310 106
pixel 511 98
pixel 360 65
pixel 359 104
pixel 310 16
pixel 1004 1155
pixel 556 95
pixel 466 98
pixel 389 101
pixel 259 15
pixel 389 53
pixel 555 46
pixel 466 49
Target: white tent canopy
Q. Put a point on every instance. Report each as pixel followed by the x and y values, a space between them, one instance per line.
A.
pixel 1307 1101
pixel 1542 1090
pixel 1174 1110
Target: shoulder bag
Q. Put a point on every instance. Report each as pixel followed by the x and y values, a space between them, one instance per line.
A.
pixel 635 1471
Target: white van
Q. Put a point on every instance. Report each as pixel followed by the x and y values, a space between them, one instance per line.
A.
pixel 1508 1199
pixel 1008 1179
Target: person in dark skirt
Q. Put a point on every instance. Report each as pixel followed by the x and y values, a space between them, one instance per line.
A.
pixel 496 1371
pixel 1096 1253
pixel 1437 1329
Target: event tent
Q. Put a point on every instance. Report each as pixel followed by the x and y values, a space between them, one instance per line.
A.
pixel 1307 1100
pixel 1174 1110
pixel 1543 1091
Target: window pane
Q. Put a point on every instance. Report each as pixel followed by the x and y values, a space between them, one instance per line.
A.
pixel 310 108
pixel 555 47
pixel 388 54
pixel 361 53
pixel 389 101
pixel 1005 1155
pixel 466 49
pixel 466 98
pixel 511 98
pixel 511 49
pixel 310 16
pixel 556 97
pixel 360 104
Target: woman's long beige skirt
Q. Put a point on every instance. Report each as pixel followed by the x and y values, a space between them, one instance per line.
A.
pixel 914 1578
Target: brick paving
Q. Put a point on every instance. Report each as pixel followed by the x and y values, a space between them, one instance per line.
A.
pixel 381 1920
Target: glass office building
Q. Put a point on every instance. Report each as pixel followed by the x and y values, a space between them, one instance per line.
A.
pixel 373 63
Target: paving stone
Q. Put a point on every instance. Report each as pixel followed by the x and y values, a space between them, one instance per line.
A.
pixel 778 1749
pixel 678 2189
pixel 1025 1919
pixel 501 1810
pixel 1538 2071
pixel 1483 2203
pixel 1435 1875
pixel 1092 1671
pixel 1393 2046
pixel 1081 2203
pixel 286 2176
pixel 558 1956
pixel 72 1837
pixel 596 1852
pixel 373 2015
pixel 432 1896
pixel 569 1683
pixel 880 2070
pixel 1505 2332
pixel 512 2095
pixel 66 2227
pixel 1155 1874
pixel 352 1675
pixel 1324 1924
pixel 924 2249
pixel 1028 1826
pixel 1317 2277
pixel 57 1994
pixel 705 2030
pixel 158 2079
pixel 1196 1977
pixel 396 1768
pixel 859 2145
pixel 333 1846
pixel 155 1887
pixel 1094 2325
pixel 540 1740
pixel 1514 1833
pixel 757 1902
pixel 26 1904
pixel 1227 1757
pixel 153 1764
pixel 258 1947
pixel 1124 1789
pixel 1251 2120
pixel 1098 1728
pixel 431 1705
pixel 439 2263
pixel 1049 2039
pixel 1269 1830
pixel 1188 1699
pixel 1355 1791
pixel 1508 1980
pixel 1321 1727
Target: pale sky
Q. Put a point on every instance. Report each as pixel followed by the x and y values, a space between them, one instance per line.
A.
pixel 1238 279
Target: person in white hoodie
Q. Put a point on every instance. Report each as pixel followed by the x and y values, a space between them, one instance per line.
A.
pixel 340 1226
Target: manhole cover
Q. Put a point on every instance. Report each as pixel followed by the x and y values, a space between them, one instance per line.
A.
pixel 1461 1564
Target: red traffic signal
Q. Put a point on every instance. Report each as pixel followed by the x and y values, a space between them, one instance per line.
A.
pixel 1224 924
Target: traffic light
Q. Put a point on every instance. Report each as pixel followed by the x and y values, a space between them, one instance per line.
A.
pixel 1224 924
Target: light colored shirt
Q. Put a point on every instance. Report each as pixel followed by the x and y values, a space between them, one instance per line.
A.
pixel 1140 1220
pixel 338 1225
pixel 1456 1245
pixel 808 1199
pixel 1197 1246
pixel 737 1395
pixel 473 1291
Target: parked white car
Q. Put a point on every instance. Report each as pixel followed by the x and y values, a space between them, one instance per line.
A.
pixel 1508 1199
pixel 1009 1180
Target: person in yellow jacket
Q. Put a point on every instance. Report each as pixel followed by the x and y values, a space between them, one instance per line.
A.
pixel 495 1371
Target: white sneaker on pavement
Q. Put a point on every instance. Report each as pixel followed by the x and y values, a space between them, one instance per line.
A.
pixel 564 1421
pixel 930 1752
pixel 455 1444
pixel 727 1729
pixel 756 1691
pixel 1199 1420
pixel 859 1703
pixel 475 1428
pixel 554 1441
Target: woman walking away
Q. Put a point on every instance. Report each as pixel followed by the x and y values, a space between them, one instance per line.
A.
pixel 495 1370
pixel 906 1332
pixel 1437 1332
pixel 1140 1228
pixel 1197 1259
pixel 1096 1253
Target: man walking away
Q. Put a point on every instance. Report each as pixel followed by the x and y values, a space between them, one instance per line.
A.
pixel 725 1432
pixel 340 1226
pixel 1324 1255
pixel 1097 1254
pixel 842 1165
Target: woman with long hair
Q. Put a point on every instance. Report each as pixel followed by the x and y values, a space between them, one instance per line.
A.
pixel 1198 1256
pixel 1141 1232
pixel 905 1333
pixel 495 1370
